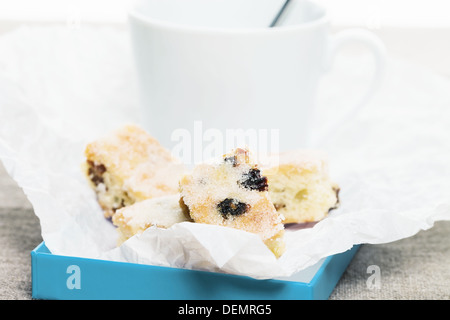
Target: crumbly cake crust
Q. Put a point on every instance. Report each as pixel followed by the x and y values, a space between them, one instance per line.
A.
pixel 300 186
pixel 129 165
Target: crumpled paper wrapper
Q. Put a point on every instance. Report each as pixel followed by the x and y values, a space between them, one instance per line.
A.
pixel 61 87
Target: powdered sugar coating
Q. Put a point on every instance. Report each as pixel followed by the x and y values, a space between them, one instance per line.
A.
pixel 162 212
pixel 209 184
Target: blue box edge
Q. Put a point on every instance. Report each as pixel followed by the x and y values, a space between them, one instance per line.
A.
pixel 319 288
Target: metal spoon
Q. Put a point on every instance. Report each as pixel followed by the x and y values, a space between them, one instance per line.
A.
pixel 279 14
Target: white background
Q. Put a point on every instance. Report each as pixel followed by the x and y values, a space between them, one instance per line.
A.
pixel 370 13
pixel 413 30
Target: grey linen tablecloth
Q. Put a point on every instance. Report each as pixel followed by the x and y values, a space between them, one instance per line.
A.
pixel 413 268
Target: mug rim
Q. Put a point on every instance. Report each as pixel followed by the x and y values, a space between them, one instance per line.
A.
pixel 133 13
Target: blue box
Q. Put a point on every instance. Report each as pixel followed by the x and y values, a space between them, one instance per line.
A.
pixel 72 278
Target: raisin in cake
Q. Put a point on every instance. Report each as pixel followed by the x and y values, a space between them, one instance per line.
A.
pixel 233 193
pixel 300 186
pixel 128 166
pixel 161 212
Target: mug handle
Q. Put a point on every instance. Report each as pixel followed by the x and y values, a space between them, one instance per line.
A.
pixel 378 50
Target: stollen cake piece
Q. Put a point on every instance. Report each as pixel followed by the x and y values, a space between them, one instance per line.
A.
pixel 233 193
pixel 300 187
pixel 161 212
pixel 128 166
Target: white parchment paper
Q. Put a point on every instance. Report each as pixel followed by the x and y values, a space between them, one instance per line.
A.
pixel 61 87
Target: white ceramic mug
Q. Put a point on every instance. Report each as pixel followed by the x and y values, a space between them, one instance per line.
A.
pixel 202 64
